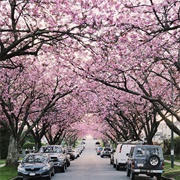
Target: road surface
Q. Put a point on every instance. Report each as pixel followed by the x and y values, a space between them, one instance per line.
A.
pixel 90 166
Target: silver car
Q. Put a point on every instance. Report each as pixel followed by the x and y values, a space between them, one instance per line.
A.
pixel 106 151
pixel 56 154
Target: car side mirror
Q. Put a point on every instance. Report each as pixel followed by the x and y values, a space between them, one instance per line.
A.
pixel 20 161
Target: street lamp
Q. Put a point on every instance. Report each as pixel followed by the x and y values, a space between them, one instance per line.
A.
pixel 172 147
pixel 172 133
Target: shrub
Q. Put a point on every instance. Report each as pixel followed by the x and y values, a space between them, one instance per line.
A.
pixel 167 146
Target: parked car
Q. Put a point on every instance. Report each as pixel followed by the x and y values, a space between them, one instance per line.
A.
pixel 106 151
pixel 112 156
pixel 97 144
pixel 68 160
pixel 57 154
pixel 76 153
pixel 80 148
pixel 71 153
pixel 98 150
pixel 36 165
pixel 120 155
pixel 145 159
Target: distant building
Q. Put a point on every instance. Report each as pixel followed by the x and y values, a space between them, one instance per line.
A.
pixel 164 132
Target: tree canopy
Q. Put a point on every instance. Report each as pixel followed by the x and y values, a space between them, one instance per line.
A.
pixel 77 67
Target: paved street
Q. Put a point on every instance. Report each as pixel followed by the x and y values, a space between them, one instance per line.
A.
pixel 92 167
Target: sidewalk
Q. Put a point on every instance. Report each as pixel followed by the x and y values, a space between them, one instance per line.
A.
pixel 1 165
pixel 175 163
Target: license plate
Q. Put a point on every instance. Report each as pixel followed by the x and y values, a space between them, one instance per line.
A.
pixel 32 174
pixel 156 171
pixel 140 165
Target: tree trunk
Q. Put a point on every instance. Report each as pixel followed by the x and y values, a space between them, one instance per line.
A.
pixel 37 144
pixel 13 152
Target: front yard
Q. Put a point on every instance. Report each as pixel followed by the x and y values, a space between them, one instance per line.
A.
pixel 171 173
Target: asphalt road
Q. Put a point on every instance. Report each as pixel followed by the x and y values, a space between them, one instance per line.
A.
pixel 89 166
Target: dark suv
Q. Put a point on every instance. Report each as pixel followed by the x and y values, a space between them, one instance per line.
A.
pixel 56 154
pixel 145 159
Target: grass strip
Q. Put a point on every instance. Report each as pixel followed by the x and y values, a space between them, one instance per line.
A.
pixel 171 173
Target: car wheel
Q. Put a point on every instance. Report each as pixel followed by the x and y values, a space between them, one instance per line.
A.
pixel 117 167
pixel 158 177
pixel 132 175
pixel 114 165
pixel 49 177
pixel 127 172
pixel 154 160
pixel 102 156
pixel 63 168
pixel 53 172
pixel 68 164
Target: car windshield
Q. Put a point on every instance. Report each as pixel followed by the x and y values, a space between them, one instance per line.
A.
pixel 148 151
pixel 154 151
pixel 34 159
pixel 51 149
pixel 107 149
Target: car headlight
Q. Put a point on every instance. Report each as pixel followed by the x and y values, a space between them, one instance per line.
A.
pixel 60 158
pixel 46 168
pixel 21 168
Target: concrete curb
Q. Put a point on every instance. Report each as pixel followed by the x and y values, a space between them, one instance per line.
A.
pixel 16 178
pixel 167 178
pixel 2 165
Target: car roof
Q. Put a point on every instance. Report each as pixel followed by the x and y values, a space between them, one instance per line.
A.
pixel 147 145
pixel 37 154
pixel 51 146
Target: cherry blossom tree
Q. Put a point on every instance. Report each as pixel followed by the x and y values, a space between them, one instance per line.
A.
pixel 144 59
pixel 136 125
pixel 97 51
pixel 31 28
pixel 38 132
pixel 25 98
pixel 28 26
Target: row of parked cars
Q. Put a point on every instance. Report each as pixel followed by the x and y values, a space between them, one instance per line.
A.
pixel 136 157
pixel 49 160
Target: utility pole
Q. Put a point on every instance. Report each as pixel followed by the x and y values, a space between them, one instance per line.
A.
pixel 172 147
pixel 177 64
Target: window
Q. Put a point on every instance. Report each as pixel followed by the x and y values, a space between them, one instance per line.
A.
pixel 154 151
pixel 140 151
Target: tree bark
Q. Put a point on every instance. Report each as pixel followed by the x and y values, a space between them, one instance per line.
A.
pixel 13 152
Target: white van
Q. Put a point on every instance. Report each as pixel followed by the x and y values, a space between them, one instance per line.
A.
pixel 121 155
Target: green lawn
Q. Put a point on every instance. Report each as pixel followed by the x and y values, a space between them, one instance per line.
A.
pixel 177 159
pixel 2 161
pixel 7 173
pixel 171 173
